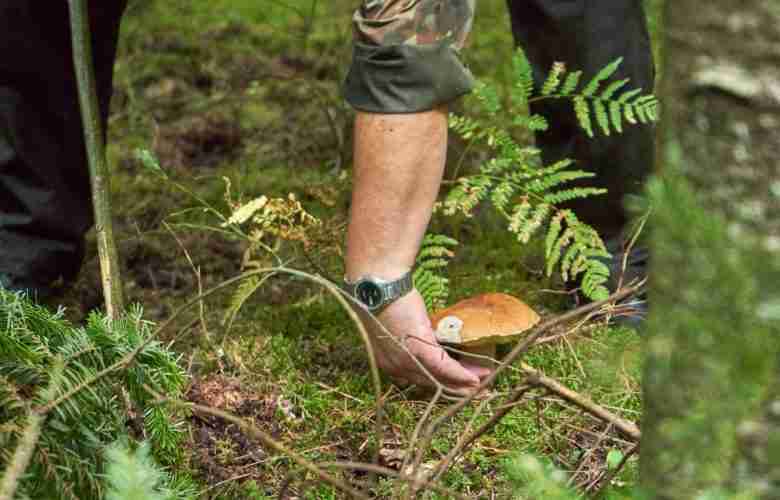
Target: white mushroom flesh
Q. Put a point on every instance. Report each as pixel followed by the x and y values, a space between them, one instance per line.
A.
pixel 448 330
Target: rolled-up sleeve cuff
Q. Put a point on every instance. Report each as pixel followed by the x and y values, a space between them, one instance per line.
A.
pixel 405 78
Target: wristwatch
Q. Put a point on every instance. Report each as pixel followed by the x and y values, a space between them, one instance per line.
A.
pixel 376 293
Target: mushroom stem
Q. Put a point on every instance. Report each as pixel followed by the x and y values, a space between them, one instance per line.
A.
pixel 488 350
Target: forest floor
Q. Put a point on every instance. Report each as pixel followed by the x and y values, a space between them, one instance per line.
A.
pixel 249 91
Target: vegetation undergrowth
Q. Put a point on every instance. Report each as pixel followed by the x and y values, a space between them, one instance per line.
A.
pixel 39 349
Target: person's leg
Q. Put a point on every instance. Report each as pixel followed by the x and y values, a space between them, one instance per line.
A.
pixel 587 35
pixel 45 203
pixel 404 72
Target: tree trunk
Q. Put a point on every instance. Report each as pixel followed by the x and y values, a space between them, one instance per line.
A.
pixel 96 153
pixel 712 397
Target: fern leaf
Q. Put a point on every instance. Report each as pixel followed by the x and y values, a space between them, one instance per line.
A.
pixel 433 263
pixel 567 260
pixel 628 95
pixel 547 182
pixel 488 97
pixel 612 88
pixel 601 116
pixel 640 112
pixel 519 216
pixel 534 123
pixel 616 116
pixel 557 166
pixel 565 195
pixel 557 249
pixel 524 79
pixel 553 79
pixel 501 195
pixel 628 112
pixel 571 82
pixel 435 254
pixel 539 214
pixel 605 72
pixel 553 231
pixel 583 115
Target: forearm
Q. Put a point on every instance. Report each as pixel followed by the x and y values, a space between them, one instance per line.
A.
pixel 399 162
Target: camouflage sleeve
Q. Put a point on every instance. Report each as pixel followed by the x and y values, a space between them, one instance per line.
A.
pixel 405 55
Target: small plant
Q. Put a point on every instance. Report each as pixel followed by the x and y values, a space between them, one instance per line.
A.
pixel 528 194
pixel 435 254
pixel 133 475
pixel 66 462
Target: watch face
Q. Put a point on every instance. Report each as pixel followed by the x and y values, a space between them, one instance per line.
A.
pixel 369 294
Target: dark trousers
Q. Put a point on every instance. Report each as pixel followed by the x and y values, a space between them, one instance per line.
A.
pixel 587 35
pixel 45 206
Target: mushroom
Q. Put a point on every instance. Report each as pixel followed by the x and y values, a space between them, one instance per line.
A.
pixel 477 324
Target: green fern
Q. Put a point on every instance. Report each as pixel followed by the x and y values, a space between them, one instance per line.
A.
pixel 435 254
pixel 526 192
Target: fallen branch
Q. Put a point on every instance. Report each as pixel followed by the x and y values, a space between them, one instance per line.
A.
pixel 626 427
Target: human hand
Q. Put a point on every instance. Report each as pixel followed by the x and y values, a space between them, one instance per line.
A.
pixel 406 320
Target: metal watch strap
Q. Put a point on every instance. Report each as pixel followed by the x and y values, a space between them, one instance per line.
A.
pixel 398 288
pixel 391 290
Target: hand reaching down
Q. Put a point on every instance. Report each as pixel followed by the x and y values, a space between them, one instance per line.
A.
pixel 407 321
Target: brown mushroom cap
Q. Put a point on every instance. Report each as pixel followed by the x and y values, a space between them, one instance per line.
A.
pixel 490 318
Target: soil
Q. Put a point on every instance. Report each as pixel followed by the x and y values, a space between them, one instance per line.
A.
pixel 220 449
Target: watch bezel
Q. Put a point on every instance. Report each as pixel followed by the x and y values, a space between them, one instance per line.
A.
pixel 374 283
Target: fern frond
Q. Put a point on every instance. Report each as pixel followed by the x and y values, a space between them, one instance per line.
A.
pixel 556 249
pixel 601 116
pixel 501 195
pixel 570 84
pixel 547 182
pixel 524 78
pixel 558 197
pixel 628 95
pixel 553 232
pixel 616 116
pixel 612 88
pixel 582 112
pixel 607 71
pixel 628 112
pixel 533 222
pixel 553 79
pixel 435 254
pixel 533 123
pixel 488 97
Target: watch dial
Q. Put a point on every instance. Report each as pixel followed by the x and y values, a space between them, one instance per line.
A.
pixel 369 294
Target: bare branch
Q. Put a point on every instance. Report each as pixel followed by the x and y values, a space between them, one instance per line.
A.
pixel 628 428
